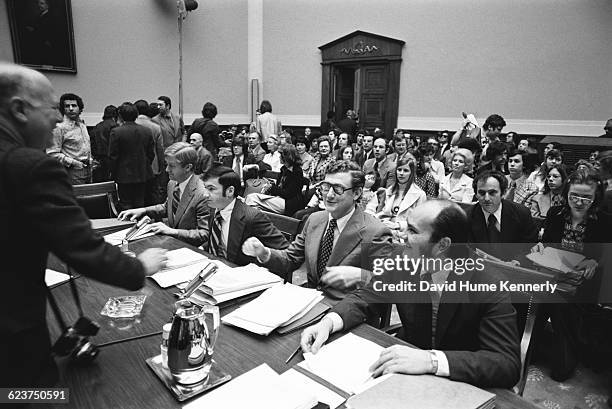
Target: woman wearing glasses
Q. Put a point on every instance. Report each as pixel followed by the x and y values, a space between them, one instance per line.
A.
pixel 552 193
pixel 577 226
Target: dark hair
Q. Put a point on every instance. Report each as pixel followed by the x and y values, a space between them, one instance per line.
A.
pixel 524 157
pixel 240 141
pixel 153 109
pixel 554 153
pixel 605 161
pixel 227 178
pixel 586 177
pixel 110 111
pixel 142 106
pixel 304 140
pixel 341 152
pixel 419 156
pixel 70 97
pixel 412 164
pixel 348 166
pixel 331 114
pixel 516 138
pixel 484 176
pixel 209 110
pixel 377 180
pixel 324 138
pixel 128 112
pixel 289 155
pixel 451 222
pixel 494 121
pixel 556 145
pixel 166 100
pixel 562 171
pixel 495 149
pixel 265 106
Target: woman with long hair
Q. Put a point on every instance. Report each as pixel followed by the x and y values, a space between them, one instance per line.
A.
pixel 552 193
pixel 267 123
pixel 551 158
pixel 346 153
pixel 457 185
pixel 285 195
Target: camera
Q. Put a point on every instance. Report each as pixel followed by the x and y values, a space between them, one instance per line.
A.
pixel 75 341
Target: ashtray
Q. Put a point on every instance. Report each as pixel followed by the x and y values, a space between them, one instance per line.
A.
pixel 216 377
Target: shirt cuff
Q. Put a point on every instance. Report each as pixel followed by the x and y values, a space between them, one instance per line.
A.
pixel 443 369
pixel 337 322
pixel 266 256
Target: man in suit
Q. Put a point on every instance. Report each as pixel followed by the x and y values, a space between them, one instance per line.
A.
pixel 100 137
pixel 131 152
pixel 348 124
pixel 152 190
pixel 232 215
pixel 381 163
pixel 467 336
pixel 494 220
pixel 255 149
pixel 187 205
pixel 333 242
pixel 366 152
pixel 205 158
pixel 39 214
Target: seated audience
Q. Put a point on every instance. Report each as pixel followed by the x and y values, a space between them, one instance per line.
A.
pixel 424 177
pixel 400 147
pixel 302 145
pixel 496 157
pixel 520 190
pixel 437 167
pixel 284 196
pixel 457 186
pixel 205 158
pixel 381 163
pixel 331 241
pixel 272 158
pixel 230 214
pixel 240 161
pixel 552 157
pixel 464 336
pixel 187 205
pixel 552 194
pixel 255 149
pixel 366 152
pixel 346 153
pixel 321 161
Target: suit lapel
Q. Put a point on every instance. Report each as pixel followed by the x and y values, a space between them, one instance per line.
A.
pixel 408 200
pixel 315 237
pixel 449 302
pixel 171 188
pixel 479 225
pixel 506 223
pixel 348 240
pixel 237 223
pixel 185 199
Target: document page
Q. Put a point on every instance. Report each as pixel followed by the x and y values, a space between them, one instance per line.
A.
pixel 557 259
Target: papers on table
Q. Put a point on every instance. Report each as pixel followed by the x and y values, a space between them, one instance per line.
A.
pixel 278 305
pixel 260 388
pixel 53 278
pixel 295 380
pixel 557 259
pixel 117 237
pixel 345 363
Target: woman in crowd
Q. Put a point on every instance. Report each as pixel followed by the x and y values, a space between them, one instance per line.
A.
pixel 399 199
pixel 577 226
pixel 370 189
pixel 552 157
pixel 457 185
pixel 284 196
pixel 301 144
pixel 267 123
pixel 552 193
pixel 314 145
pixel 321 161
pixel 273 157
pixel 423 175
pixel 346 153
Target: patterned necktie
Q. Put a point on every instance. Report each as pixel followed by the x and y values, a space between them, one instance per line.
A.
pixel 511 191
pixel 493 233
pixel 325 249
pixel 176 198
pixel 216 238
pixel 237 167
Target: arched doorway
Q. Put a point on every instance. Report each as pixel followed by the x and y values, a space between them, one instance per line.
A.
pixel 361 71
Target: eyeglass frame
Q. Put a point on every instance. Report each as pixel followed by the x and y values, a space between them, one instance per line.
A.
pixel 324 190
pixel 575 198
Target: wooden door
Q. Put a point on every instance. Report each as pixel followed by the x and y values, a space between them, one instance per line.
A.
pixel 373 91
pixel 344 80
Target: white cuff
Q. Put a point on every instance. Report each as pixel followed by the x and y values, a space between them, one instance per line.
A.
pixel 337 322
pixel 443 369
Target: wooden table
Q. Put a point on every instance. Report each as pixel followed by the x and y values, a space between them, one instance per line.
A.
pixel 120 377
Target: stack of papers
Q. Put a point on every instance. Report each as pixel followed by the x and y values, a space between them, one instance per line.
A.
pixel 277 306
pixel 260 388
pixel 117 237
pixel 345 363
pixel 557 259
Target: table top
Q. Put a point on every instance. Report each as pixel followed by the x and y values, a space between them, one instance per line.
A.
pixel 120 377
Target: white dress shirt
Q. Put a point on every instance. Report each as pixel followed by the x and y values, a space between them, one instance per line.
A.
pixel 226 215
pixel 182 186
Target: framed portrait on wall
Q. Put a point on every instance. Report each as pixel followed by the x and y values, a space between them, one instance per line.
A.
pixel 42 34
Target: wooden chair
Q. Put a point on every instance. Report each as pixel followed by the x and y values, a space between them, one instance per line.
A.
pixel 289 226
pixel 97 199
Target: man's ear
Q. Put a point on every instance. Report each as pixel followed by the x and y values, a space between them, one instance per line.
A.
pixel 442 246
pixel 230 191
pixel 358 192
pixel 17 109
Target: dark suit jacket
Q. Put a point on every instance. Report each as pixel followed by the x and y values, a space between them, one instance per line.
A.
pixel 191 218
pixel 247 221
pixel 517 226
pixel 360 158
pixel 210 134
pixel 100 137
pixel 362 229
pixel 131 152
pixel 39 214
pixel 348 125
pixel 289 187
pixel 477 331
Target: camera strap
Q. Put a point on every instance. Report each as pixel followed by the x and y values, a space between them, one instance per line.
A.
pixel 55 308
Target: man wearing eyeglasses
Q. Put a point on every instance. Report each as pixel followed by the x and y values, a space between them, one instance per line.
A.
pixel 331 241
pixel 608 129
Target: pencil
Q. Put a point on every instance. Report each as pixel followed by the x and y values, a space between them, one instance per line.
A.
pixel 298 349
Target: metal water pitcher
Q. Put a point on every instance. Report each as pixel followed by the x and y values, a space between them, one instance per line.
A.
pixel 193 334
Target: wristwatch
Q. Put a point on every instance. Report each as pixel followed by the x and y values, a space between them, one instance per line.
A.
pixel 434 362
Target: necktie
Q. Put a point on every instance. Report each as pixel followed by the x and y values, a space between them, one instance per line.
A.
pixel 435 305
pixel 216 238
pixel 325 249
pixel 176 198
pixel 511 191
pixel 376 166
pixel 494 234
pixel 237 167
pixel 419 331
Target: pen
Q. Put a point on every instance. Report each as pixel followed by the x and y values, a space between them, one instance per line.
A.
pixel 298 349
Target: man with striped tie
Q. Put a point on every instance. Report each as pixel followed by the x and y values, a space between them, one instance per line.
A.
pixel 187 204
pixel 232 215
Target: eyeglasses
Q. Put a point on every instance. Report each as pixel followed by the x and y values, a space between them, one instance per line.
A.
pixel 338 189
pixel 577 198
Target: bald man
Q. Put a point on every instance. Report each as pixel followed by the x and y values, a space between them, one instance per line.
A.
pixel 38 208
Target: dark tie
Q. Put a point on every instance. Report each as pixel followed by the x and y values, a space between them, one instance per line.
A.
pixel 176 198
pixel 511 191
pixel 325 249
pixel 421 332
pixel 494 235
pixel 216 238
pixel 376 166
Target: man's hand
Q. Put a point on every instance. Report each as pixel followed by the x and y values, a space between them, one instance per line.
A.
pixel 161 228
pixel 153 260
pixel 342 277
pixel 77 164
pixel 402 359
pixel 314 336
pixel 391 225
pixel 132 214
pixel 588 267
pixel 254 248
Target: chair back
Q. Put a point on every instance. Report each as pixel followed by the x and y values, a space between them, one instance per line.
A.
pixel 289 226
pixel 97 199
